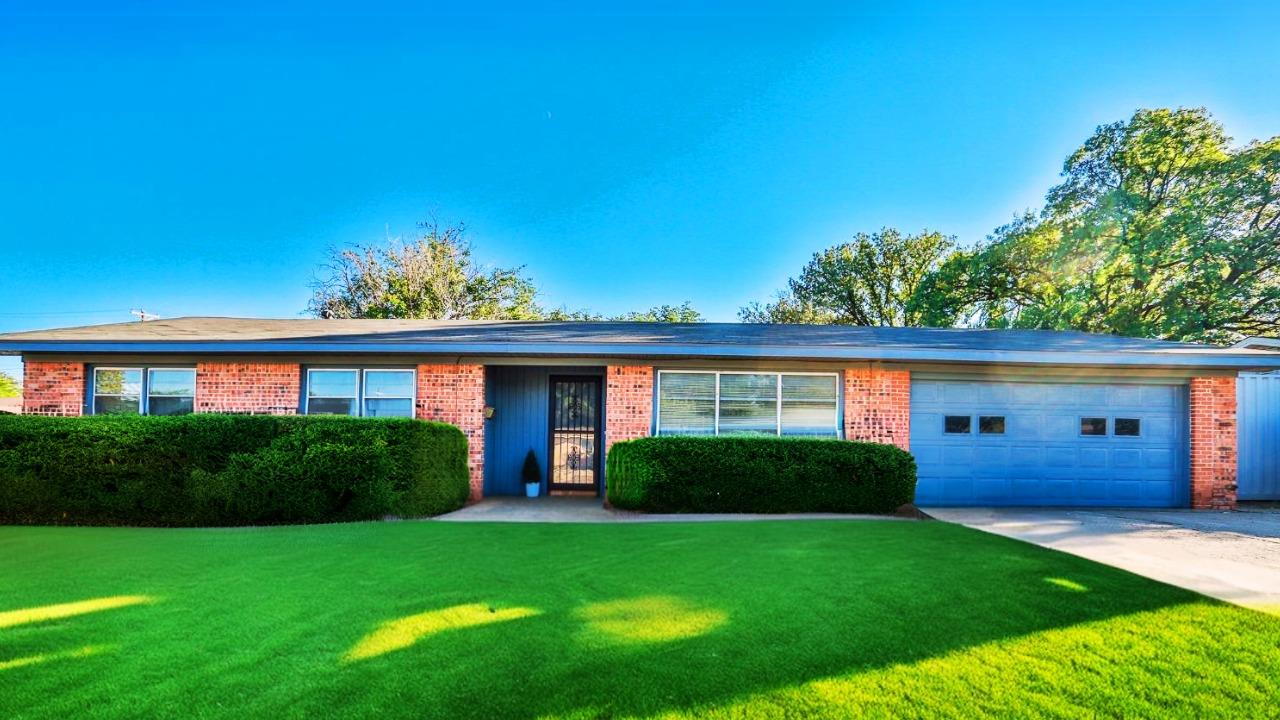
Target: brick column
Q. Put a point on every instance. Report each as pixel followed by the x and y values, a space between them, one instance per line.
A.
pixel 628 397
pixel 53 388
pixel 454 394
pixel 248 388
pixel 1213 443
pixel 877 406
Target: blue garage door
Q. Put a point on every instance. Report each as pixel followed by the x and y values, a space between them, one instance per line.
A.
pixel 1062 444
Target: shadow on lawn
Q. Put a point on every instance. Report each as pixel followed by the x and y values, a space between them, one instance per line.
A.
pixel 451 620
pixel 759 620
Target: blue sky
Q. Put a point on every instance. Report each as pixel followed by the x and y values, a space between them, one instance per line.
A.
pixel 200 160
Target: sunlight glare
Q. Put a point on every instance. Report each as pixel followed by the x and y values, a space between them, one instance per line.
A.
pixel 1066 584
pixel 652 619
pixel 85 651
pixel 63 610
pixel 403 632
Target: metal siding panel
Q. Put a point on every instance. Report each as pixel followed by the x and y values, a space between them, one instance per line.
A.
pixel 1042 459
pixel 1258 399
pixel 520 397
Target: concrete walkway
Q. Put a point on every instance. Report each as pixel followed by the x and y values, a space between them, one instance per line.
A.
pixel 1230 556
pixel 592 510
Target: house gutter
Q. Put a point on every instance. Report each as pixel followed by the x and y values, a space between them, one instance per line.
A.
pixel 1246 360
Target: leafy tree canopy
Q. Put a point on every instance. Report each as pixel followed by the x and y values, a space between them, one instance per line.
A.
pixel 434 276
pixel 682 313
pixel 9 386
pixel 872 280
pixel 1159 229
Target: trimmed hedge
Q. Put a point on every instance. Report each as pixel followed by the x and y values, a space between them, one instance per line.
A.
pixel 758 475
pixel 201 470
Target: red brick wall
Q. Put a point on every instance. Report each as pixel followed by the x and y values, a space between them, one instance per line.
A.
pixel 52 388
pixel 248 388
pixel 628 397
pixel 1213 443
pixel 877 406
pixel 454 394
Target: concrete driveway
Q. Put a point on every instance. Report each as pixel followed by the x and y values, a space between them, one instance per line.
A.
pixel 1231 556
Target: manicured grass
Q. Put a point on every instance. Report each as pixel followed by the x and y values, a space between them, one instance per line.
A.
pixel 422 619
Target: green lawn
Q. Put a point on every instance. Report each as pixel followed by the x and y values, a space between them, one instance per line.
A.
pixel 422 619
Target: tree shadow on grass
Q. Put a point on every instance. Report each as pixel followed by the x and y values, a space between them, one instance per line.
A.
pixel 787 608
pixel 602 620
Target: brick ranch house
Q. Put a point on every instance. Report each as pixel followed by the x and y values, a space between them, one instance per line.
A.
pixel 993 417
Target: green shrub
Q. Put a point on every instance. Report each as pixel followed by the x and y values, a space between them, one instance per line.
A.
pixel 226 469
pixel 758 475
pixel 531 473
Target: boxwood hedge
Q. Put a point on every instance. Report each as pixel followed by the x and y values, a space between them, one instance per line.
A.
pixel 758 475
pixel 226 469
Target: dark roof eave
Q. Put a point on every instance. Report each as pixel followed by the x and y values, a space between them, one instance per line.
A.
pixel 1213 359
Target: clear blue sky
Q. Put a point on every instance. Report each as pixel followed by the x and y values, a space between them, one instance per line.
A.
pixel 201 161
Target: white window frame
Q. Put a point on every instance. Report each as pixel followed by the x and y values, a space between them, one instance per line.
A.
pixel 412 397
pixel 306 397
pixel 142 388
pixel 146 386
pixel 657 397
pixel 359 397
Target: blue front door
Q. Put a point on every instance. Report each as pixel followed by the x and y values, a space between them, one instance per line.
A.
pixel 1056 444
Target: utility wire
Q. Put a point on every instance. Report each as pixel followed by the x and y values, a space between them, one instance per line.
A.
pixel 122 311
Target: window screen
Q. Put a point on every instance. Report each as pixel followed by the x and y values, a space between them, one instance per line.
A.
pixel 388 393
pixel 117 391
pixel 332 392
pixel 793 404
pixel 809 405
pixel 687 404
pixel 749 404
pixel 171 391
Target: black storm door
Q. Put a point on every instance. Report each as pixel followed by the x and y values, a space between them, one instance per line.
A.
pixel 575 433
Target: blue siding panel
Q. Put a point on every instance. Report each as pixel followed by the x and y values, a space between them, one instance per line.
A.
pixel 1258 399
pixel 1041 458
pixel 519 396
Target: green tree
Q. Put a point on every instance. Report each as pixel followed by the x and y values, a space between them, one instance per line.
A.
pixel 1160 228
pixel 872 280
pixel 565 315
pixel 682 313
pixel 9 386
pixel 433 276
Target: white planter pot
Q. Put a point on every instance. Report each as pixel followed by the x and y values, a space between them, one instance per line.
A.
pixel 531 489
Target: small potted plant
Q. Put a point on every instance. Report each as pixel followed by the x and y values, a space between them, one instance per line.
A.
pixel 532 474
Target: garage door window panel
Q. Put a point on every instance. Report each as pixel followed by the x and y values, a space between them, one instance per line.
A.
pixel 1128 427
pixel 1093 426
pixel 991 424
